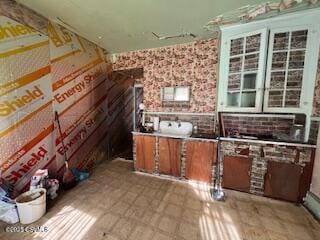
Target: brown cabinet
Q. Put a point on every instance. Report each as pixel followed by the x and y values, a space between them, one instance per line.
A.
pixel 170 156
pixel 145 152
pixel 200 156
pixel 282 181
pixel 237 172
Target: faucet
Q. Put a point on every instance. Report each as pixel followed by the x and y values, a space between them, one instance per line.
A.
pixel 179 122
pixel 169 124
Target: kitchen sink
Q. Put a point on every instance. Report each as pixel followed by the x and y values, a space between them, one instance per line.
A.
pixel 178 128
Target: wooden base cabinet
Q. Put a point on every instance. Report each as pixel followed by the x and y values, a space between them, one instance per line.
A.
pixel 170 156
pixel 237 172
pixel 282 181
pixel 200 157
pixel 145 153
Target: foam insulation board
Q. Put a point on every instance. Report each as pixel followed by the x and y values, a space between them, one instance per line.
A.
pixel 79 94
pixel 26 123
pixel 40 75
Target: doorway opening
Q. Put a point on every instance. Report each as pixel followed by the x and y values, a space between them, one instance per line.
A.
pixel 138 100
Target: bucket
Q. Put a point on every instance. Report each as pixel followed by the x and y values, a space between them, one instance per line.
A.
pixel 31 205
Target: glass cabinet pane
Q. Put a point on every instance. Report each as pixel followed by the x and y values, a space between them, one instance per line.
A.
pixel 294 79
pixel 281 41
pixel 286 68
pixel 275 98
pixel 251 62
pixel 299 39
pixel 296 59
pixel 248 99
pixel 253 43
pixel 279 60
pixel 233 99
pixel 235 64
pixel 234 82
pixel 249 81
pixel 243 71
pixel 292 98
pixel 277 80
pixel 236 46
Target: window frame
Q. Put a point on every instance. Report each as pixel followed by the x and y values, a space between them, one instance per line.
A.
pixel 174 94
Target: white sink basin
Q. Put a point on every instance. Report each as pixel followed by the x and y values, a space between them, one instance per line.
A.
pixel 176 128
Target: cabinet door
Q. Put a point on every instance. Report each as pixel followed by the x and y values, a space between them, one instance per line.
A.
pixel 290 74
pixel 145 152
pixel 237 173
pixel 200 156
pixel 282 181
pixel 169 156
pixel 242 72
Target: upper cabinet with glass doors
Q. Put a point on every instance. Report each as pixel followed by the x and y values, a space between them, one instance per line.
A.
pixel 245 70
pixel 269 65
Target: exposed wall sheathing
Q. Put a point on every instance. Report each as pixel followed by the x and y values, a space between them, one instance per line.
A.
pixel 26 119
pixel 40 75
pixel 79 93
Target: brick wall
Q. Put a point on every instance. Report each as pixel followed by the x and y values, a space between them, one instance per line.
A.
pixel 257 125
pixel 205 123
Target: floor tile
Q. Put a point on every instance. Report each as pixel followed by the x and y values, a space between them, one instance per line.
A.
pixel 167 224
pixel 116 203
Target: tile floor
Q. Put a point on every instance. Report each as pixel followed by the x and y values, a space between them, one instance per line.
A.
pixel 116 203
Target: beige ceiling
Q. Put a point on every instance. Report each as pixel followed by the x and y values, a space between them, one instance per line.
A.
pixel 124 25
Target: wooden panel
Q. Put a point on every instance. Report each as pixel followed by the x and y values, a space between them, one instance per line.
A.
pixel 282 181
pixel 145 149
pixel 236 172
pixel 169 156
pixel 199 160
